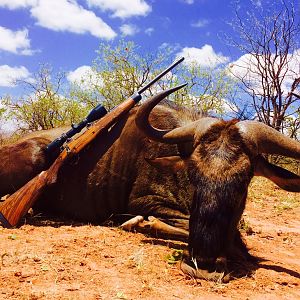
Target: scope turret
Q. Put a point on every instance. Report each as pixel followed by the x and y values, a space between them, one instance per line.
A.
pixel 53 148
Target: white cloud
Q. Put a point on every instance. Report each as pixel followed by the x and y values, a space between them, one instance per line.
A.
pixel 246 67
pixel 164 45
pixel 9 75
pixel 14 4
pixel 63 15
pixel 257 3
pixel 8 126
pixel 200 23
pixel 129 29
pixel 67 15
pixel 15 41
pixel 293 66
pixel 173 47
pixel 229 107
pixel 84 77
pixel 122 8
pixel 79 74
pixel 149 31
pixel 205 56
pixel 188 1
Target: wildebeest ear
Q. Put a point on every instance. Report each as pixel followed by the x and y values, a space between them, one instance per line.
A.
pixel 281 177
pixel 168 163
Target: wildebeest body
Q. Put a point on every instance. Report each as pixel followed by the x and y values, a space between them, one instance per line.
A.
pixel 93 187
pixel 195 176
pixel 21 161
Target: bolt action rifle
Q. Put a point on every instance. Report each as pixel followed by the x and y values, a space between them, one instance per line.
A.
pixel 17 204
pixel 54 148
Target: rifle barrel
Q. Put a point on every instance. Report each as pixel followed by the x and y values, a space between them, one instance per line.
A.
pixel 164 72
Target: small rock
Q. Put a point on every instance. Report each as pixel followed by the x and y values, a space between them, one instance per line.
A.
pixel 36 259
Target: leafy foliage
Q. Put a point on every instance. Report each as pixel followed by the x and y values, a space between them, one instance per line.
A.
pixel 117 73
pixel 44 107
pixel 121 71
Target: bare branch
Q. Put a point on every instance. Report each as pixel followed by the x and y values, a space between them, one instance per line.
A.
pixel 270 38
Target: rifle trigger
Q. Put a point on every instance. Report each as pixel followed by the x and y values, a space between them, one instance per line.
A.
pixel 68 149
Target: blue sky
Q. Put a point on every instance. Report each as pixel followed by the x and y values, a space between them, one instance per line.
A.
pixel 66 33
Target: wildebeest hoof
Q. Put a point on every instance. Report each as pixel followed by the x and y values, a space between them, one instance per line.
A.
pixel 132 223
pixel 138 222
pixel 216 275
pixel 155 227
pixel 151 222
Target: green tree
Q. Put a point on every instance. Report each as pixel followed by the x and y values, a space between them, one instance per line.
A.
pixel 2 111
pixel 120 71
pixel 44 106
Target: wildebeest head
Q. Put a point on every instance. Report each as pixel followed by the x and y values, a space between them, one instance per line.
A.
pixel 220 158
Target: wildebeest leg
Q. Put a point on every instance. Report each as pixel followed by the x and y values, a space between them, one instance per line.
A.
pixel 132 223
pixel 155 227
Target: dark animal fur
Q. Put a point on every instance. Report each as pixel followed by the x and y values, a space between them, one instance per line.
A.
pixel 220 169
pixel 112 177
pixel 21 162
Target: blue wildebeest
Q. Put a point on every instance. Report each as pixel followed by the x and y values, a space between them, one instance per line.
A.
pixel 183 176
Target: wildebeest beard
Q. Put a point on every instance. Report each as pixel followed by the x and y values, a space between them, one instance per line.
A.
pixel 221 173
pixel 216 210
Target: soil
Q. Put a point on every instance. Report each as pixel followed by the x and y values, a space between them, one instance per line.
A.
pixel 54 259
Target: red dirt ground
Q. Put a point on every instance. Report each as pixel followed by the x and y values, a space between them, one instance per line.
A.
pixel 53 260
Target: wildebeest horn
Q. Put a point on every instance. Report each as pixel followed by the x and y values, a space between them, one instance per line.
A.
pixel 170 136
pixel 282 177
pixel 268 140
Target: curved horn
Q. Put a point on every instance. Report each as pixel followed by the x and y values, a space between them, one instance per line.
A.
pixel 142 120
pixel 282 177
pixel 268 140
pixel 170 136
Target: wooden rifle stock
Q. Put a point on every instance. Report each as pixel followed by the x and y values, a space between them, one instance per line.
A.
pixel 16 205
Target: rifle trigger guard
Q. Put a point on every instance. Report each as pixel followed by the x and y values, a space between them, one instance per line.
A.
pixel 68 149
